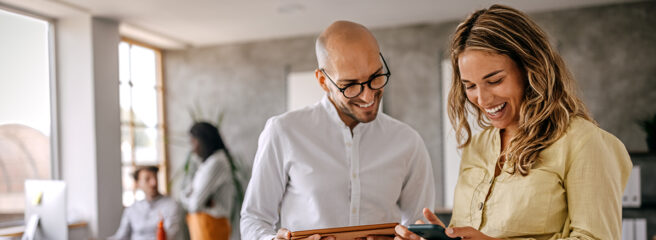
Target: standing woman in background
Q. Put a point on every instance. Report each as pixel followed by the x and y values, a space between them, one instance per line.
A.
pixel 209 198
pixel 541 168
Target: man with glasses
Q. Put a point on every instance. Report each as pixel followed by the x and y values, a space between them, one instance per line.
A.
pixel 339 162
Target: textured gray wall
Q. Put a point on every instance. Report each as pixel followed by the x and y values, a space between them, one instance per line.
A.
pixel 609 49
pixel 611 52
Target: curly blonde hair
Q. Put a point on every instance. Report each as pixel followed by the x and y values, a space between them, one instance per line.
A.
pixel 549 100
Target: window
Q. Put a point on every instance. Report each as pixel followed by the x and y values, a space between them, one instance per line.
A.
pixel 25 107
pixel 142 115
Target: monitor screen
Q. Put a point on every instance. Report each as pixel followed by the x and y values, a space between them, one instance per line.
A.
pixel 46 199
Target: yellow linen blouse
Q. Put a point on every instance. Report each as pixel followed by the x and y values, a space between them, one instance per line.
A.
pixel 574 192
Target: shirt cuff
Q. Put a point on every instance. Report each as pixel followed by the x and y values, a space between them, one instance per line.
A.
pixel 268 237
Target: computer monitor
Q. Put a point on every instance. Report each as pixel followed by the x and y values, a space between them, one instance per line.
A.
pixel 45 200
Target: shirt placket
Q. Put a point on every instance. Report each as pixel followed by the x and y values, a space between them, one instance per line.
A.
pixel 478 203
pixel 352 154
pixel 479 200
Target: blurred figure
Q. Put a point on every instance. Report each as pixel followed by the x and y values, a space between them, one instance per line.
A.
pixel 209 197
pixel 140 220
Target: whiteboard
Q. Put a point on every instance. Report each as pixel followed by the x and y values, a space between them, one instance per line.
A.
pixel 303 89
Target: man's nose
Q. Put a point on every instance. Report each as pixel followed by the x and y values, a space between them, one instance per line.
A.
pixel 367 95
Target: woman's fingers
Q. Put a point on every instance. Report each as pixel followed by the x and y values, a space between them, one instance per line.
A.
pixel 463 232
pixel 432 218
pixel 402 233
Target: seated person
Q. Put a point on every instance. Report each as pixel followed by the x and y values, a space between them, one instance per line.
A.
pixel 140 220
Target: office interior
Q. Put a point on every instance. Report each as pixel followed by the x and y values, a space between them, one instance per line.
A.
pixel 81 116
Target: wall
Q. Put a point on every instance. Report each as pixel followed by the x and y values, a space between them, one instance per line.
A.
pixel 87 91
pixel 609 49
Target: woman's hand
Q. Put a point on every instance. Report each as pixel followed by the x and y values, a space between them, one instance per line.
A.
pixel 404 234
pixel 467 233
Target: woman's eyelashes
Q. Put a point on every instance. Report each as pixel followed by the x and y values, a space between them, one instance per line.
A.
pixel 496 81
pixel 471 86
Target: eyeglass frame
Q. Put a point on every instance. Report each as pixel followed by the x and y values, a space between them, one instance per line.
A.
pixel 368 82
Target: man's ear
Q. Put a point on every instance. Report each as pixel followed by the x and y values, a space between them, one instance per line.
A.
pixel 321 79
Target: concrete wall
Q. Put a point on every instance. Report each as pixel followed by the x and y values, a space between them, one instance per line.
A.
pixel 609 49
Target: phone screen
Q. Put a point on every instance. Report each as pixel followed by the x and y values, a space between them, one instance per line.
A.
pixel 430 231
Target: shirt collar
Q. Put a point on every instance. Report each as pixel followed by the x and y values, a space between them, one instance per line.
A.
pixel 154 201
pixel 334 116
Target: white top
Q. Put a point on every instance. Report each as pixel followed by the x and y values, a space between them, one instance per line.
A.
pixel 211 190
pixel 309 172
pixel 139 221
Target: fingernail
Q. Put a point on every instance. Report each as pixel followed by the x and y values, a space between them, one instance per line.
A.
pixel 449 230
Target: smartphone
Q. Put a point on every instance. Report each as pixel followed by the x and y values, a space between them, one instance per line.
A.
pixel 430 231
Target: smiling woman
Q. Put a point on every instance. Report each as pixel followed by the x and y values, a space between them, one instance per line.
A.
pixel 541 168
pixel 533 169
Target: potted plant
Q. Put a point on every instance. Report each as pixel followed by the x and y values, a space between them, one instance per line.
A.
pixel 649 126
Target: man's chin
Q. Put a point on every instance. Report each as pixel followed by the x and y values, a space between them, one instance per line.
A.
pixel 367 117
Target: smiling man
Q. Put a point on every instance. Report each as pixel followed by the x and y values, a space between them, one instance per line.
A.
pixel 339 162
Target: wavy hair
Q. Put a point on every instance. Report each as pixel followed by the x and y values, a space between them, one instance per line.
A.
pixel 549 100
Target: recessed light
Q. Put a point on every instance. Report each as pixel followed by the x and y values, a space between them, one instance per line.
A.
pixel 290 8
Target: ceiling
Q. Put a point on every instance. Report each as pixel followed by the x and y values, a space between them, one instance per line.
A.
pixel 196 23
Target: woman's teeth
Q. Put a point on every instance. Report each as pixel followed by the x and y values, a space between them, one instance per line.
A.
pixel 366 105
pixel 495 110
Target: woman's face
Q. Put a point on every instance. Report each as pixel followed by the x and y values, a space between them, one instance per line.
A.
pixel 495 84
pixel 195 145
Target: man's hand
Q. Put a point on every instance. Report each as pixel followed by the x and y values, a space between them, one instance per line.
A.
pixel 285 234
pixel 404 234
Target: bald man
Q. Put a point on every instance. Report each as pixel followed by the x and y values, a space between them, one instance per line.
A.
pixel 338 162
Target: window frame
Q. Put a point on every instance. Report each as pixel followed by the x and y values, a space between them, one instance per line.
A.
pixel 160 89
pixel 55 158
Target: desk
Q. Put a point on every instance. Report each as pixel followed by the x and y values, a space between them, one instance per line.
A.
pixel 77 230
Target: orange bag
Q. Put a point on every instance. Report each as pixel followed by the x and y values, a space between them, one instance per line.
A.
pixel 203 226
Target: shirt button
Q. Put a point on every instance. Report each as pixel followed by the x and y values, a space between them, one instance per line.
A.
pixel 354 176
pixel 480 206
pixel 353 210
pixel 348 144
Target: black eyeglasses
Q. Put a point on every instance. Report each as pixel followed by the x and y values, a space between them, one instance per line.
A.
pixel 375 82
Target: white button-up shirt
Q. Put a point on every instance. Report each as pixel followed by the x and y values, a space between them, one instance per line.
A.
pixel 310 172
pixel 139 221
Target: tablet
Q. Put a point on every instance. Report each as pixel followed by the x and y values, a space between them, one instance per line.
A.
pixel 349 233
